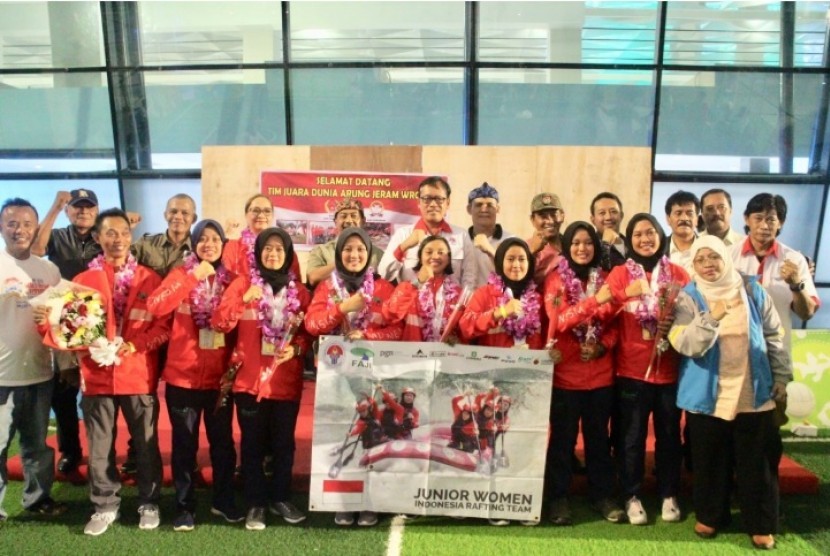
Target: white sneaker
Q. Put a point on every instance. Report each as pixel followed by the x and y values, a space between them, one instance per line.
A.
pixel 149 516
pixel 99 522
pixel 671 511
pixel 635 511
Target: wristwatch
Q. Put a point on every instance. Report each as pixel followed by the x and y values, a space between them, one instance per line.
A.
pixel 797 287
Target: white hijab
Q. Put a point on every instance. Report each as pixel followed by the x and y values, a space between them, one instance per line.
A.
pixel 729 284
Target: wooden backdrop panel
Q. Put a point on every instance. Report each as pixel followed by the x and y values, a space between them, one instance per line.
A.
pixel 231 174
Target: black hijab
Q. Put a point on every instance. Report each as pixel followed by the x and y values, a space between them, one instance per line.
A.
pixel 196 235
pixel 516 286
pixel 581 270
pixel 278 278
pixel 648 263
pixel 352 280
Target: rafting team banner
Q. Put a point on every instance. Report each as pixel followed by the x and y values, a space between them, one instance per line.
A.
pixel 430 429
pixel 306 202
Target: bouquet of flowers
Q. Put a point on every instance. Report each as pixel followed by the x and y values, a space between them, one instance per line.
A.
pixel 665 307
pixel 455 316
pixel 294 324
pixel 226 382
pixel 77 318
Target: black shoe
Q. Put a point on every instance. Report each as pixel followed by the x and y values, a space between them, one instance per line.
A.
pixel 48 508
pixel 610 510
pixel 68 464
pixel 560 512
pixel 129 467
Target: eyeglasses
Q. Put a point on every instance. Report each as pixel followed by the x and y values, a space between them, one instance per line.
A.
pixel 426 200
pixel 713 258
pixel 260 211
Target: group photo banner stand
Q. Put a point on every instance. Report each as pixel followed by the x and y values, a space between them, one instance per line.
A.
pixel 430 429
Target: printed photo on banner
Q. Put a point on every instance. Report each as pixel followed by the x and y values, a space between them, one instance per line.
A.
pixel 430 429
pixel 305 202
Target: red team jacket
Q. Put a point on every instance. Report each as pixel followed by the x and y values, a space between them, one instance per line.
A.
pixel 322 319
pixel 478 322
pixel 403 307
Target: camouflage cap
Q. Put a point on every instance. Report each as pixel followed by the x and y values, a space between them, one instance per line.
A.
pixel 545 201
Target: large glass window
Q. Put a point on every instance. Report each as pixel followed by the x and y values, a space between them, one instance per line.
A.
pixel 568 32
pixel 377 31
pixel 378 106
pixel 149 199
pixel 41 193
pixel 565 107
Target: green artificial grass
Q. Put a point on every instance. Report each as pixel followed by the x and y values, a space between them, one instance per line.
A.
pixel 805 529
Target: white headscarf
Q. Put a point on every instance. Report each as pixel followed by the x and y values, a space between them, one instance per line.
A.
pixel 729 284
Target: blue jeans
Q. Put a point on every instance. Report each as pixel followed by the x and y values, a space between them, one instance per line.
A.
pixel 26 409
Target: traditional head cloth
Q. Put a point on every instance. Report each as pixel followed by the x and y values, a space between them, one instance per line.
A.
pixel 352 280
pixel 199 229
pixel 278 278
pixel 648 263
pixel 729 283
pixel 483 191
pixel 581 270
pixel 516 286
pixel 349 204
pixel 424 243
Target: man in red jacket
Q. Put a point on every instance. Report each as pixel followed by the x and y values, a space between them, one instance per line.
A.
pixel 126 382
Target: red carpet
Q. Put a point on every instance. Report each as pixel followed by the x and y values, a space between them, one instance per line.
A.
pixel 794 479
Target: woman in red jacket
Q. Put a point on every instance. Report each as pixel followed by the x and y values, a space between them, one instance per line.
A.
pixel 642 285
pixel 266 305
pixel 350 303
pixel 581 322
pixel 193 292
pixel 507 312
pixel 425 304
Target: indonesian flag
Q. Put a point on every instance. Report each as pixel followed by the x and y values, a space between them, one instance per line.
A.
pixel 343 492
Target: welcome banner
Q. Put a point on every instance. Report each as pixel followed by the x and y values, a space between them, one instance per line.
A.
pixel 425 428
pixel 305 202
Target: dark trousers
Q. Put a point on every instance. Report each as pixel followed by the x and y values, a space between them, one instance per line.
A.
pixel 266 423
pixel 593 407
pixel 638 400
pixel 186 408
pixel 750 439
pixel 65 406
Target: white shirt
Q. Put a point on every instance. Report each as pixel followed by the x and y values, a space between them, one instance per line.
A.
pixel 731 238
pixel 769 275
pixel 463 259
pixel 24 360
pixel 678 257
pixel 484 262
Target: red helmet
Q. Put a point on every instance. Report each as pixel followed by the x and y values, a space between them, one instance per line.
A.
pixel 507 399
pixel 466 407
pixel 362 405
pixel 408 390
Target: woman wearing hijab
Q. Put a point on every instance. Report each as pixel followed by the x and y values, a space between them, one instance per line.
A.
pixel 506 312
pixel 265 306
pixel 733 368
pixel 192 293
pixel 350 303
pixel 425 304
pixel 581 322
pixel 647 372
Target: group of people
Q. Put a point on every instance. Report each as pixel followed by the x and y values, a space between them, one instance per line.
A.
pixel 638 324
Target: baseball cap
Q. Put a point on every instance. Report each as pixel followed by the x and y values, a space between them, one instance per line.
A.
pixel 83 196
pixel 545 201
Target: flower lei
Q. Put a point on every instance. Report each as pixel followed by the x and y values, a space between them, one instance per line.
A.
pixel 205 298
pixel 248 240
pixel 275 312
pixel 647 307
pixel 519 326
pixel 432 324
pixel 123 280
pixel 574 293
pixel 367 290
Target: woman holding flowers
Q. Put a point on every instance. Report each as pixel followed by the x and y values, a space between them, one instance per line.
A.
pixel 507 312
pixel 582 325
pixel 425 304
pixel 646 365
pixel 350 303
pixel 266 306
pixel 192 293
pixel 733 368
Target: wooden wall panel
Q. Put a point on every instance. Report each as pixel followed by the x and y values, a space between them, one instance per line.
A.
pixel 393 159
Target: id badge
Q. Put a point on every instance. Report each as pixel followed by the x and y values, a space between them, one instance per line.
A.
pixel 647 335
pixel 268 348
pixel 209 339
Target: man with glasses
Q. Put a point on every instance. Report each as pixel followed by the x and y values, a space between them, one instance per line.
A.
pixel 717 216
pixel 606 216
pixel 485 233
pixel 348 213
pixel 547 216
pixel 402 252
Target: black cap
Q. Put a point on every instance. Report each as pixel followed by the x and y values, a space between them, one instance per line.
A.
pixel 83 196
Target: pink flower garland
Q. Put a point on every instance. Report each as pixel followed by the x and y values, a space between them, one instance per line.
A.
pixel 367 290
pixel 123 281
pixel 275 312
pixel 248 240
pixel 426 307
pixel 204 299
pixel 647 308
pixel 521 326
pixel 574 294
